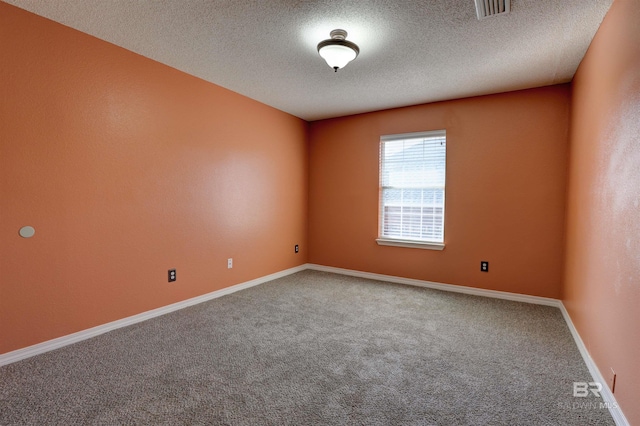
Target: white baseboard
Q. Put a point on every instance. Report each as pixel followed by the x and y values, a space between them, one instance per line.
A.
pixel 50 345
pixel 40 348
pixel 439 286
pixel 606 394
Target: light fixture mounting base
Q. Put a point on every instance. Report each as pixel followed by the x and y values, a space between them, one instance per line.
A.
pixel 338 34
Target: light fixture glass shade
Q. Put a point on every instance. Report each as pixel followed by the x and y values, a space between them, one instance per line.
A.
pixel 337 56
pixel 337 51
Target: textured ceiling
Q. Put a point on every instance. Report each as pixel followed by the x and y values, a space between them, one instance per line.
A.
pixel 411 51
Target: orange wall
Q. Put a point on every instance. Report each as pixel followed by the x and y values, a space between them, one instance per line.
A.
pixel 602 288
pixel 505 199
pixel 126 168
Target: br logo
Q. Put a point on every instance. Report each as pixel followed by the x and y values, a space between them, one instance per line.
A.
pixel 581 389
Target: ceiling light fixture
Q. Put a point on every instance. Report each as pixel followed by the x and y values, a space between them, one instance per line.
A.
pixel 337 51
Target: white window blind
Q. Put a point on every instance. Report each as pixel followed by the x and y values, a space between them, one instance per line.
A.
pixel 412 186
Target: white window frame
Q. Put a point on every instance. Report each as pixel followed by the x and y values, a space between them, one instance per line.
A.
pixel 386 240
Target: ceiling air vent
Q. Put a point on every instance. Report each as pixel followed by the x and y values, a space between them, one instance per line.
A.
pixel 487 8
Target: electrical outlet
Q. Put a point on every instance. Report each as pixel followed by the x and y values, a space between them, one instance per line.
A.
pixel 612 381
pixel 484 266
pixel 172 275
pixel 297 248
pixel 229 263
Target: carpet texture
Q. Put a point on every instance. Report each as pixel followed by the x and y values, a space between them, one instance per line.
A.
pixel 316 348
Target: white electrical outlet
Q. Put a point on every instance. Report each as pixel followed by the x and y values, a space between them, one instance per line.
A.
pixel 229 263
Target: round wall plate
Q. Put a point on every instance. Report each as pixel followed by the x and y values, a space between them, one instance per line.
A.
pixel 27 231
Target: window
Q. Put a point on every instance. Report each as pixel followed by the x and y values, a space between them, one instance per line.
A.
pixel 412 190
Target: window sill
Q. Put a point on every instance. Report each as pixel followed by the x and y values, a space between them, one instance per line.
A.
pixel 409 244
